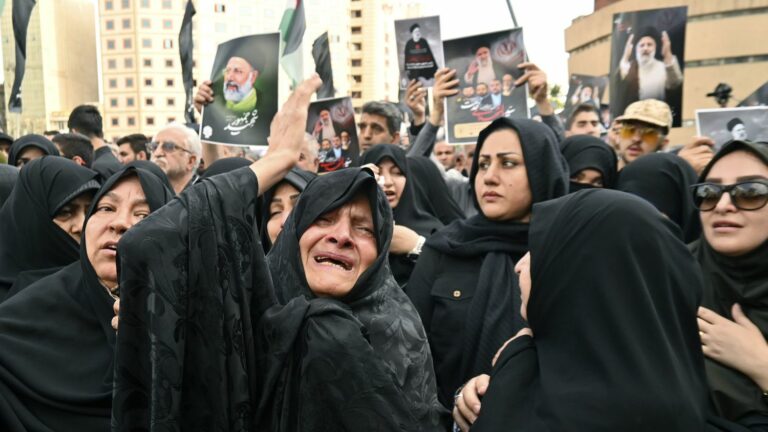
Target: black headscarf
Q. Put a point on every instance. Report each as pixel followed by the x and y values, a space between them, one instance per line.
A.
pixel 8 176
pixel 664 180
pixel 735 279
pixel 225 165
pixel 612 350
pixel 297 178
pixel 587 152
pixel 57 356
pixel 431 192
pixel 493 315
pixel 391 323
pixel 31 140
pixel 29 239
pixel 154 169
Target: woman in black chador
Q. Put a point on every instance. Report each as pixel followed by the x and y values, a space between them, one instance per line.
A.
pixel 318 337
pixel 56 341
pixel 419 62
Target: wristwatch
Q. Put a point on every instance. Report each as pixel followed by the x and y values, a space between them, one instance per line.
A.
pixel 413 255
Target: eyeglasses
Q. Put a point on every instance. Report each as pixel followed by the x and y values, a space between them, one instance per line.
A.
pixel 746 195
pixel 167 146
pixel 649 135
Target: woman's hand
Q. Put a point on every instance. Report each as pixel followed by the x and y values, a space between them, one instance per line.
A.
pixel 525 331
pixel 404 240
pixel 467 405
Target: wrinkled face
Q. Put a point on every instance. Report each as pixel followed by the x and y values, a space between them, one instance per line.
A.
pixel 71 215
pixel 495 86
pixel 176 163
pixel 445 154
pixel 523 270
pixel 391 180
pixel 585 123
pixel 645 50
pixel 280 207
pixel 589 176
pixel 416 34
pixel 639 143
pixel 373 130
pixel 116 212
pixel 481 89
pixel 482 55
pixel 501 185
pixel 739 132
pixel 338 247
pixel 28 155
pixel 239 77
pixel 729 230
pixel 307 161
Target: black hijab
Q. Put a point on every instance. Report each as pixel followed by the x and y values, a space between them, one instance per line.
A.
pixel 57 356
pixel 728 280
pixel 389 320
pixel 299 179
pixel 154 169
pixel 664 180
pixel 587 152
pixel 612 350
pixel 31 140
pixel 8 176
pixel 225 165
pixel 29 239
pixel 431 192
pixel 493 315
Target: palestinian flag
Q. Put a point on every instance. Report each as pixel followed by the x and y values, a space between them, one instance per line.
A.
pixel 292 27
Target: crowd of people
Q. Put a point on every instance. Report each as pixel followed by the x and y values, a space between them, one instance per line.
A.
pixel 549 277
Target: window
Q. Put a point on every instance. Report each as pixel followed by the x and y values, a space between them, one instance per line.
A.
pixel 128 62
pixel 113 102
pixel 146 43
pixel 167 43
pixel 150 121
pixel 357 94
pixel 167 4
pixel 126 4
pixel 148 82
pixel 110 44
pixel 131 121
pixel 127 43
pixel 169 82
pixel 146 23
pixel 109 24
pixel 357 62
pixel 126 23
pixel 169 63
pixel 220 8
pixel 111 64
pixel 167 24
pixel 170 101
pixel 112 83
pixel 147 62
pixel 108 5
pixel 149 101
pixel 115 121
pixel 129 101
pixel 357 30
pixel 357 13
pixel 171 119
pixel 357 46
pixel 129 82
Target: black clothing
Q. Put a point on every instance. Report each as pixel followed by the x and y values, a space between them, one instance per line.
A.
pixel 585 152
pixel 468 318
pixel 408 212
pixel 204 344
pixel 31 140
pixel 154 169
pixel 419 60
pixel 431 191
pixel 728 280
pixel 105 163
pixel 57 343
pixel 8 176
pixel 297 178
pixel 612 350
pixel 665 180
pixel 29 239
pixel 224 165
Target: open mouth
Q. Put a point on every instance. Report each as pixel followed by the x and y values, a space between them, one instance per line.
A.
pixel 725 224
pixel 334 261
pixel 110 246
pixel 390 194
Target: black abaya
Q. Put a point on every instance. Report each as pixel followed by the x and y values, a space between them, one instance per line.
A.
pixel 588 152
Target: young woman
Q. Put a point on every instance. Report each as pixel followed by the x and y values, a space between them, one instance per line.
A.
pixel 464 285
pixel 733 254
pixel 592 163
pixel 57 356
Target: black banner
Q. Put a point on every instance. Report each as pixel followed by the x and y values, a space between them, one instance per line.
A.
pixel 22 10
pixel 321 52
pixel 185 54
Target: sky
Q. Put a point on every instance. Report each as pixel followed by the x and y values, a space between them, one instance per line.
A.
pixel 543 21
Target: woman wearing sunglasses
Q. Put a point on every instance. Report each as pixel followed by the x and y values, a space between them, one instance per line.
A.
pixel 733 253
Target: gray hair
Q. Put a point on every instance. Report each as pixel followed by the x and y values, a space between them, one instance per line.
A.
pixel 190 137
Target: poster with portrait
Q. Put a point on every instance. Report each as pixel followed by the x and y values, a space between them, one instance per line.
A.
pixel 244 83
pixel 332 123
pixel 648 59
pixel 419 49
pixel 486 66
pixel 584 89
pixel 725 124
pixel 758 98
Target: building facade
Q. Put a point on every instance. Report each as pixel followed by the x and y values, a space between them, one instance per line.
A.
pixel 725 42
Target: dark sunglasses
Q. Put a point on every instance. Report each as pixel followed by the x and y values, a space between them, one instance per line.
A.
pixel 746 195
pixel 167 146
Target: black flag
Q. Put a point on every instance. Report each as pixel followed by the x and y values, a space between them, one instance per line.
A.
pixel 22 9
pixel 185 53
pixel 321 52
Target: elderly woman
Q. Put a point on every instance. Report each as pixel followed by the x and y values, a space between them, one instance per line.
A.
pixel 56 343
pixel 213 336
